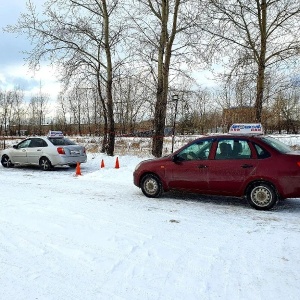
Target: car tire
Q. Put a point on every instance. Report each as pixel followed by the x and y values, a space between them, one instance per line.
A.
pixel 45 164
pixel 151 186
pixel 6 162
pixel 262 196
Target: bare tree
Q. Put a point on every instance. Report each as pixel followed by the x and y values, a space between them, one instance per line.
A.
pixel 18 110
pixel 11 110
pixel 160 34
pixel 80 36
pixel 285 111
pixel 62 112
pixel 253 36
pixel 6 111
pixel 37 108
pixel 132 101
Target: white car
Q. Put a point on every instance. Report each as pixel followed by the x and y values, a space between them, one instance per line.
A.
pixel 46 152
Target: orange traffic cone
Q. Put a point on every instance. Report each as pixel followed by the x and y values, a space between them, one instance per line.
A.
pixel 102 164
pixel 117 166
pixel 78 172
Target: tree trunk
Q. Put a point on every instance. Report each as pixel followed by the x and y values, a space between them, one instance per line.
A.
pixel 164 59
pixel 159 120
pixel 110 112
pixel 105 129
pixel 259 93
pixel 260 85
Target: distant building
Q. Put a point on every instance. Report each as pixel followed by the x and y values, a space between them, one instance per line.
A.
pixel 239 114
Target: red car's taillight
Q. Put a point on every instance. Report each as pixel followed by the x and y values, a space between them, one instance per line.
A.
pixel 298 163
pixel 60 150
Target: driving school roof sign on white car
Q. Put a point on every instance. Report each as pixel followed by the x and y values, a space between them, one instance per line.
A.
pixel 246 128
pixel 55 134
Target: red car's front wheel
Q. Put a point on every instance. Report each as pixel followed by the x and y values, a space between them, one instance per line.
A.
pixel 151 186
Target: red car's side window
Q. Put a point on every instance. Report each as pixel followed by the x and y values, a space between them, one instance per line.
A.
pixel 197 151
pixel 233 149
pixel 261 152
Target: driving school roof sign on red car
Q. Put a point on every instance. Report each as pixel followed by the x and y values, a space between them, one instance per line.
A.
pixel 246 128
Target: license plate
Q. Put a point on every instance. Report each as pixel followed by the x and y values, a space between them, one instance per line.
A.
pixel 74 152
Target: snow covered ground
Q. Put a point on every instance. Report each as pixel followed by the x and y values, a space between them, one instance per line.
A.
pixel 96 236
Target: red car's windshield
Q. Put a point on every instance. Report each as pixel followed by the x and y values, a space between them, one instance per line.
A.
pixel 278 145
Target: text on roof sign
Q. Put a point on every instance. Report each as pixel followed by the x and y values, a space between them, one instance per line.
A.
pixel 55 134
pixel 246 128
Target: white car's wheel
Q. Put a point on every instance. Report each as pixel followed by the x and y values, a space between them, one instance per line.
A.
pixel 45 164
pixel 6 162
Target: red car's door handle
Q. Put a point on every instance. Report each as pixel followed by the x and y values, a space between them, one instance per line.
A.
pixel 247 166
pixel 202 166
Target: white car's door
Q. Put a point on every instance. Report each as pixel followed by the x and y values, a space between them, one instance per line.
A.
pixel 35 150
pixel 19 153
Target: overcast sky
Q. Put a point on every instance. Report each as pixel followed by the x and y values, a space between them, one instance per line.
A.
pixel 13 68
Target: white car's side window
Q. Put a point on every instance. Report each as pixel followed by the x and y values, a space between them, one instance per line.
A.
pixel 24 144
pixel 37 143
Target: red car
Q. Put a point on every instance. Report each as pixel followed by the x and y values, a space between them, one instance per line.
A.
pixel 256 166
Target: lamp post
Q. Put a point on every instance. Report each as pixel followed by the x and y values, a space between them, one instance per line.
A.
pixel 174 99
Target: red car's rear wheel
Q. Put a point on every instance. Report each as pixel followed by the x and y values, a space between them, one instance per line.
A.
pixel 262 196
